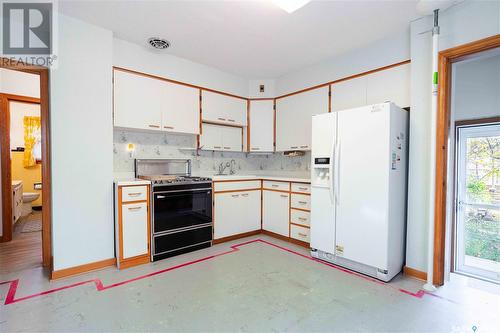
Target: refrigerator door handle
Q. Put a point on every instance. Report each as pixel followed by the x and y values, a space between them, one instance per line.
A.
pixel 337 172
pixel 332 178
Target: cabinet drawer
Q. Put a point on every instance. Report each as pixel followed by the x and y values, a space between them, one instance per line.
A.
pixel 302 188
pixel 301 201
pixel 282 186
pixel 299 217
pixel 237 185
pixel 134 193
pixel 299 233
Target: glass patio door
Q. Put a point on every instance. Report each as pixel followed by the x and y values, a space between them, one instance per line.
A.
pixel 477 243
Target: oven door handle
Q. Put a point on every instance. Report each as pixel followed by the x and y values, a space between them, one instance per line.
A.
pixel 179 191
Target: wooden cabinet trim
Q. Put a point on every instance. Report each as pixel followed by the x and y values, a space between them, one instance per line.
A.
pixel 242 190
pixel 300 225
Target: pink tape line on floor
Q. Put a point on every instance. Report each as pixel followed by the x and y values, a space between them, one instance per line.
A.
pixel 14 284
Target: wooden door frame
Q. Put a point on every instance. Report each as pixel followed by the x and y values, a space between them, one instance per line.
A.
pixel 43 73
pixel 446 59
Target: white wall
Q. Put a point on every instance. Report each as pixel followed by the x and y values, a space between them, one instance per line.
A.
pixel 463 23
pixel 142 59
pixel 254 88
pixel 82 145
pixel 19 83
pixel 17 113
pixel 476 88
pixel 381 53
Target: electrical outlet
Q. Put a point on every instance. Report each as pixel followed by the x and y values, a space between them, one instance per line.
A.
pixel 261 88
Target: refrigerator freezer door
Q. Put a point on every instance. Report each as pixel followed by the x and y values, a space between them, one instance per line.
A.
pixel 363 176
pixel 322 220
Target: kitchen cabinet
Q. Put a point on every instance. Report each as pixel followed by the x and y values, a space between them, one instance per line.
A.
pixel 132 224
pixel 293 118
pixel 391 84
pixel 349 94
pixel 180 109
pixel 261 116
pixel 137 101
pixel 223 109
pixel 275 212
pixel 141 102
pixel 236 213
pixel 224 138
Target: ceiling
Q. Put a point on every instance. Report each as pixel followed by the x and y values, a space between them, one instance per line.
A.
pixel 252 39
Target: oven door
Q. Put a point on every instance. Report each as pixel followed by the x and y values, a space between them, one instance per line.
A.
pixel 181 209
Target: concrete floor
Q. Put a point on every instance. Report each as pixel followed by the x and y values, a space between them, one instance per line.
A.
pixel 255 287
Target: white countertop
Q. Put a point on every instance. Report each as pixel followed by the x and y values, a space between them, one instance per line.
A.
pixel 131 181
pixel 291 178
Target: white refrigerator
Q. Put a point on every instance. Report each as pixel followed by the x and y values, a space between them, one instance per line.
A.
pixel 358 195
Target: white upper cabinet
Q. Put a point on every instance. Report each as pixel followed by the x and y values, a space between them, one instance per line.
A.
pixel 261 126
pixel 293 118
pixel 218 137
pixel 392 85
pixel 137 101
pixel 180 108
pixel 141 102
pixel 223 109
pixel 349 94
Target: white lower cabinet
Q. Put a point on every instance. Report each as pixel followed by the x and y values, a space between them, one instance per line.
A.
pixel 236 213
pixel 132 224
pixel 134 229
pixel 275 211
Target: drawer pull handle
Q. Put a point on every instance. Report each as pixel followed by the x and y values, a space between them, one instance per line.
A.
pixel 303 235
pixel 235 195
pixel 227 147
pixel 134 194
pixel 302 202
pixel 274 185
pixel 245 195
pixel 255 148
pixel 134 208
pixel 217 147
pixel 231 120
pixel 223 119
pixel 284 196
pixel 302 219
pixel 168 127
pixel 303 188
pixel 294 147
pixel 304 146
pixel 154 126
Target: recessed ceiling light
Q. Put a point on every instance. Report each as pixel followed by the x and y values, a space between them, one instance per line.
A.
pixel 290 5
pixel 159 43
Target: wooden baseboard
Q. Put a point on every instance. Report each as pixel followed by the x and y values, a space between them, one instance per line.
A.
pixel 238 236
pixel 139 260
pixel 275 235
pixel 415 273
pixel 299 242
pixel 62 273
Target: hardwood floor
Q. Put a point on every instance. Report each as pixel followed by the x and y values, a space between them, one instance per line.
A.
pixel 25 249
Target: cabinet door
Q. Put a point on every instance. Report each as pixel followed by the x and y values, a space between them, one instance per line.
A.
pixel 180 109
pixel 232 138
pixel 250 210
pixel 223 109
pixel 349 94
pixel 211 137
pixel 137 101
pixel 294 118
pixel 236 213
pixel 392 85
pixel 275 210
pixel 134 229
pixel 261 126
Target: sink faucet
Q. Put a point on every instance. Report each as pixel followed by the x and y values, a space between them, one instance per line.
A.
pixel 231 167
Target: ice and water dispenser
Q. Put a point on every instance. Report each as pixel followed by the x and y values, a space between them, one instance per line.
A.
pixel 321 171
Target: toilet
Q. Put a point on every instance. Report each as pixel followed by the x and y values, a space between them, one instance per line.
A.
pixel 28 198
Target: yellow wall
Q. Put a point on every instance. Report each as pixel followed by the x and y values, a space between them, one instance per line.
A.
pixel 29 176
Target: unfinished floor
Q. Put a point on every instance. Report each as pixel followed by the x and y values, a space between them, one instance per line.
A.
pixel 258 284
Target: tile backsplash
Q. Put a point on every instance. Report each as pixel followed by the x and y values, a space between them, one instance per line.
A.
pixel 168 145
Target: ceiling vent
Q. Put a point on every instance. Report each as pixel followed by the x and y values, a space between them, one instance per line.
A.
pixel 159 43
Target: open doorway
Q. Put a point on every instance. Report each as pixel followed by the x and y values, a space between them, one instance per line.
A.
pixel 25 236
